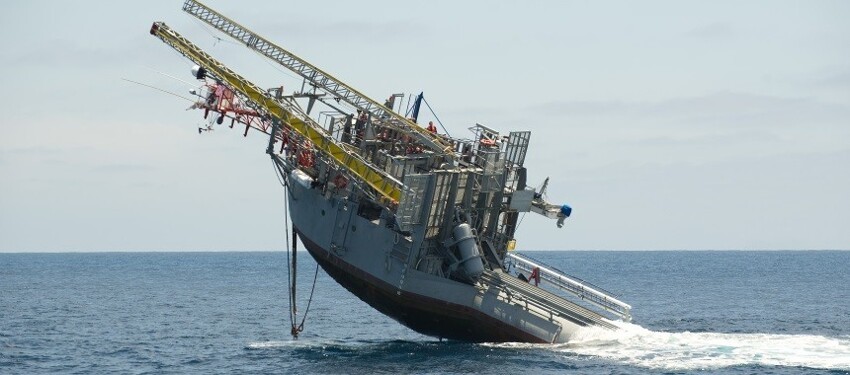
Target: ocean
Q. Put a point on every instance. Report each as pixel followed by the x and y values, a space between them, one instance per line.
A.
pixel 695 312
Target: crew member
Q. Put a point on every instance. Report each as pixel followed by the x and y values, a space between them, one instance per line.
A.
pixel 431 127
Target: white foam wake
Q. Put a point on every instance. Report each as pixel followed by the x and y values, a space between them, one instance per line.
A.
pixel 636 345
pixel 269 344
pixel 289 344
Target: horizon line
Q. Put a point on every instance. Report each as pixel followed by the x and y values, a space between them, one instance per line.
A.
pixel 304 250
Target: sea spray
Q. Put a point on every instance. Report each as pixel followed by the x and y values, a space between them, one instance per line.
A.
pixel 639 346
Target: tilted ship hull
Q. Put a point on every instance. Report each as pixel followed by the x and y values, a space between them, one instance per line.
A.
pixel 417 224
pixel 376 264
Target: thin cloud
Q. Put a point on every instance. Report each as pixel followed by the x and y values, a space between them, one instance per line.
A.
pixel 837 78
pixel 716 30
pixel 70 54
pixel 726 139
pixel 121 168
pixel 723 108
pixel 347 29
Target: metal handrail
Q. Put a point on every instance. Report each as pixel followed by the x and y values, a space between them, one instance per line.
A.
pixel 574 277
pixel 573 286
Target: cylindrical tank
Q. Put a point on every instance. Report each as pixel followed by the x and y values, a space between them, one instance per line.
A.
pixel 470 256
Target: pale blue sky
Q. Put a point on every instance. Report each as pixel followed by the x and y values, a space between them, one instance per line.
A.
pixel 665 124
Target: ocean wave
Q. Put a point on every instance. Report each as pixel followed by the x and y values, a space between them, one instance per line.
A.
pixel 639 346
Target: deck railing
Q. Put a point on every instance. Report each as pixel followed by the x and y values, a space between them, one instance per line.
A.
pixel 573 285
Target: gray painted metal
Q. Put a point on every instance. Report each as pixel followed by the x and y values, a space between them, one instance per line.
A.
pixel 369 245
pixel 408 247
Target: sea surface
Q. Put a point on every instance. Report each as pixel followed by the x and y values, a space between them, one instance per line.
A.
pixel 707 312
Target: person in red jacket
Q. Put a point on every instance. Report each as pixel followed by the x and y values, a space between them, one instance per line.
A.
pixel 431 127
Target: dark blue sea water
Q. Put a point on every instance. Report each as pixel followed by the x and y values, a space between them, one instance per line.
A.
pixel 694 312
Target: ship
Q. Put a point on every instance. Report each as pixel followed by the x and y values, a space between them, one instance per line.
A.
pixel 418 224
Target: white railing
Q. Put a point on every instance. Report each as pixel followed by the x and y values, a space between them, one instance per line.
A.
pixel 574 286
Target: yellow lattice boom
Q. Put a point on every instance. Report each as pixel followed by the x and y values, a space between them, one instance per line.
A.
pixel 383 183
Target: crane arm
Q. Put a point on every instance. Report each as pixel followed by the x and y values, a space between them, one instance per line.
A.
pixel 285 113
pixel 380 114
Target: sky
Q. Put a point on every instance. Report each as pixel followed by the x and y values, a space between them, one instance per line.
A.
pixel 666 125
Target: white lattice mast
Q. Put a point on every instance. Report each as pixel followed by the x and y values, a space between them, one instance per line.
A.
pixel 381 115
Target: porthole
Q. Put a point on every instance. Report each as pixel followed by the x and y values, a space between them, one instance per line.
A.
pixel 353 228
pixel 323 212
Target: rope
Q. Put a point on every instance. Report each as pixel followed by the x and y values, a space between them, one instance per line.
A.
pixel 274 66
pixel 435 116
pixel 216 37
pixel 293 274
pixel 281 178
pixel 159 89
pixel 521 218
pixel 220 39
pixel 309 300
pixel 289 274
pixel 292 265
